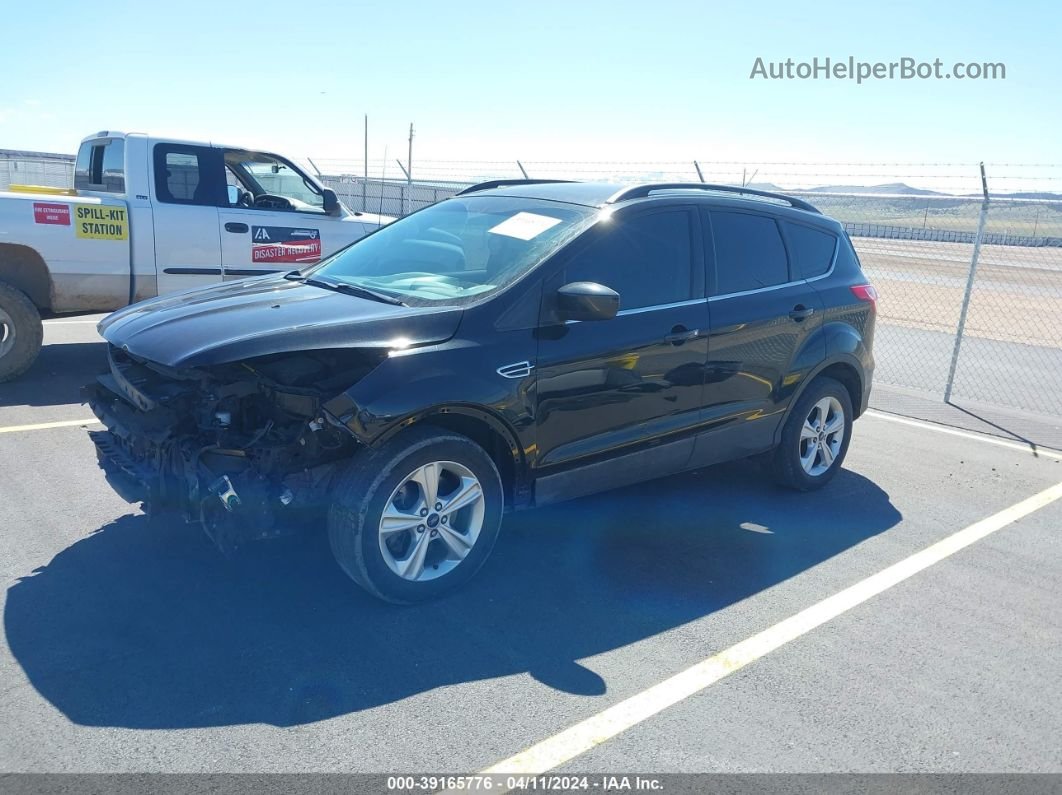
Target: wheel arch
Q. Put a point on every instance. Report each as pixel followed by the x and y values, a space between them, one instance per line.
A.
pixel 487 430
pixel 842 367
pixel 24 269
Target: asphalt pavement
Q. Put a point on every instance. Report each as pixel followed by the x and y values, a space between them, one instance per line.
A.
pixel 129 644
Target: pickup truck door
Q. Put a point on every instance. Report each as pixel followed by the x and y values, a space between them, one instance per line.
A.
pixel 273 218
pixel 189 184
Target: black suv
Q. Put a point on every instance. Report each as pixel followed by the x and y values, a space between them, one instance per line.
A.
pixel 520 343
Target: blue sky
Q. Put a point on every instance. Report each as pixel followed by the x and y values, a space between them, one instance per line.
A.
pixel 535 80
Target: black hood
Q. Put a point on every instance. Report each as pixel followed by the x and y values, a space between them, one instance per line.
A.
pixel 254 317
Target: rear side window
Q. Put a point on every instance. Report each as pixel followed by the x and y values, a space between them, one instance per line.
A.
pixel 100 166
pixel 749 253
pixel 646 259
pixel 812 249
pixel 189 175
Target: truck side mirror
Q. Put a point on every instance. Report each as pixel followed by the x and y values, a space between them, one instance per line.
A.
pixel 331 201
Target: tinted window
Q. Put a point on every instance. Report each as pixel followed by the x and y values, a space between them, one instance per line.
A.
pixel 114 166
pixel 812 249
pixel 646 259
pixel 749 253
pixel 182 175
pixel 187 175
pixel 100 166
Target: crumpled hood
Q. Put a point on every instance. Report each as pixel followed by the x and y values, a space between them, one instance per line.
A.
pixel 254 317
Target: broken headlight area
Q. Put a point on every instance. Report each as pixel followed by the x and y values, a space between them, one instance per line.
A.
pixel 237 447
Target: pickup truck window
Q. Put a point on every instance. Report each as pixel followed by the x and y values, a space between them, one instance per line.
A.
pixel 269 182
pixel 189 175
pixel 100 166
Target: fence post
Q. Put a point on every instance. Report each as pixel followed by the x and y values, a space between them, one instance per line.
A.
pixel 969 286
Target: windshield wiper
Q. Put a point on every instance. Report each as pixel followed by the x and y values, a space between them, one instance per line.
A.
pixel 352 289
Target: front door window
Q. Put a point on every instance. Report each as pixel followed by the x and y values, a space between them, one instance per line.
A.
pixel 266 182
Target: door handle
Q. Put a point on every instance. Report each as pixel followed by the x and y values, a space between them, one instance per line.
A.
pixel 232 226
pixel 801 312
pixel 680 334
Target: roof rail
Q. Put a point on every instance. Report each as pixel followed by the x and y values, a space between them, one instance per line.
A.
pixel 641 191
pixel 501 183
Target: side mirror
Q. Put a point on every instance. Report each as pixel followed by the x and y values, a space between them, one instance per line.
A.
pixel 331 201
pixel 587 301
pixel 233 195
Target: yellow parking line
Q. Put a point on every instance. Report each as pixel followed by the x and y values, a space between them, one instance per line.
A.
pixel 41 426
pixel 593 731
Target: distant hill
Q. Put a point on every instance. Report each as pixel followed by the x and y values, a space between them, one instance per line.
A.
pixel 767 186
pixel 895 188
pixel 1026 195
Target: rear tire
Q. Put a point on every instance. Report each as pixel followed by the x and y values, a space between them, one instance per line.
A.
pixel 815 437
pixel 21 332
pixel 421 548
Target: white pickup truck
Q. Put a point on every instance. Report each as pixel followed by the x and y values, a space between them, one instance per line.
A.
pixel 148 216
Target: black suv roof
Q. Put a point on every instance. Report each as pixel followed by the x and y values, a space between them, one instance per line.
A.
pixel 598 194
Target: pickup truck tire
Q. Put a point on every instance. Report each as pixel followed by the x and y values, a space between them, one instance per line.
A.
pixel 393 543
pixel 21 332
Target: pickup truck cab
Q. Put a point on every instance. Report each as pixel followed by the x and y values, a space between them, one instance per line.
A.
pixel 149 216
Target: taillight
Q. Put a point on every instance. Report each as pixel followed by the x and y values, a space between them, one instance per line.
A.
pixel 866 292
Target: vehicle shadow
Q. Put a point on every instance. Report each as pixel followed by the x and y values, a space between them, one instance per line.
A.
pixel 143 625
pixel 57 376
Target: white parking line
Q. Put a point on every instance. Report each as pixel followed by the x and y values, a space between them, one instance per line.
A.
pixel 70 322
pixel 1046 452
pixel 43 426
pixel 586 735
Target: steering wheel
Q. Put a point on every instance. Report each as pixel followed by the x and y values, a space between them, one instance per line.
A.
pixel 270 201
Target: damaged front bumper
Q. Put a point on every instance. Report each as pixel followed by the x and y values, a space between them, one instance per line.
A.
pixel 130 480
pixel 160 449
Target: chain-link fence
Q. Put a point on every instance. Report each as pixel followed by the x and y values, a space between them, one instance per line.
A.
pixel 916 245
pixel 970 281
pixel 35 168
pixel 1009 351
pixel 389 197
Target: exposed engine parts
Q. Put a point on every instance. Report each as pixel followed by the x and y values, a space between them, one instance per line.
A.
pixel 247 441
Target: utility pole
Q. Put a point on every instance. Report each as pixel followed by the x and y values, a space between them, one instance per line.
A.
pixel 409 171
pixel 978 239
pixel 365 181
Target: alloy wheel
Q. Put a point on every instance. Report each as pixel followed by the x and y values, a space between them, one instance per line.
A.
pixel 431 521
pixel 821 436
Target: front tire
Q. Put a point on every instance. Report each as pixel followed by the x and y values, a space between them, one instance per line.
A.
pixel 815 437
pixel 21 332
pixel 416 517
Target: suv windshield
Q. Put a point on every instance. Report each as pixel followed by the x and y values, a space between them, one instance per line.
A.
pixel 460 249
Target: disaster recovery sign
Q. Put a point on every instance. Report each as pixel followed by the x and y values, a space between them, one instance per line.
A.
pixel 285 244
